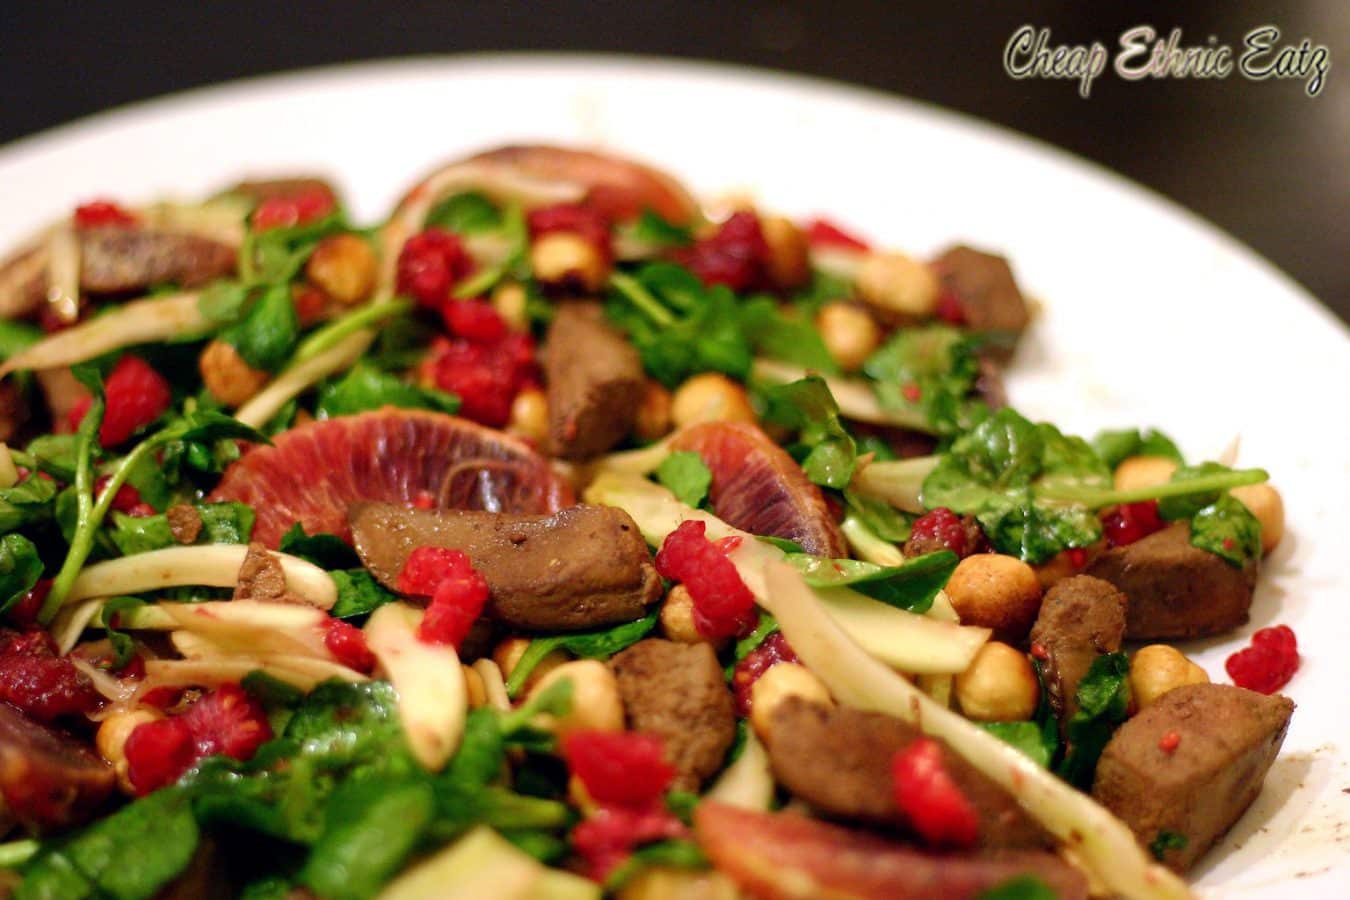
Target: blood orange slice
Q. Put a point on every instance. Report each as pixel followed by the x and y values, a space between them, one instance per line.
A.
pixel 757 487
pixel 311 474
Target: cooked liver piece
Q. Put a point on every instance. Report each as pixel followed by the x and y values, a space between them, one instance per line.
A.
pixel 839 760
pixel 582 567
pixel 1228 739
pixel 985 288
pixel 678 691
pixel 48 780
pixel 1176 590
pixel 595 382
pixel 114 260
pixel 1080 619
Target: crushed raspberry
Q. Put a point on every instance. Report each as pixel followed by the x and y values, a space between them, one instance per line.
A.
pixel 1169 742
pixel 227 721
pixel 1039 651
pixel 127 499
pixel 924 791
pixel 949 308
pixel 734 256
pixel 137 395
pixel 723 605
pixel 158 753
pixel 430 264
pixel 485 376
pixel 589 224
pixel 728 543
pixel 1077 557
pixel 473 320
pixel 309 303
pixel 1132 521
pixel 348 645
pixel 619 768
pixel 97 213
pixel 823 233
pixel 298 208
pixel 25 611
pixel 423 500
pixel 428 566
pixel 941 526
pixel 34 679
pixel 773 650
pixel 605 839
pixel 456 605
pixel 161 697
pixel 911 392
pixel 1268 664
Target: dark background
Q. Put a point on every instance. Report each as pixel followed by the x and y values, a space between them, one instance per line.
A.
pixel 1261 159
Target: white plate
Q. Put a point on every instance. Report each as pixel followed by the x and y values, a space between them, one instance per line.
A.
pixel 1151 316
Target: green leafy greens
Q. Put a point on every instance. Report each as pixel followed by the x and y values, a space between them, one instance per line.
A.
pixel 600 644
pixel 1103 696
pixel 912 585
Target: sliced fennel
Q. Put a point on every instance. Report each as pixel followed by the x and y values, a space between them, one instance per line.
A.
pixel 432 701
pixel 301 672
pixel 300 377
pixel 63 273
pixel 210 565
pixel 1103 843
pixel 482 863
pixel 855 396
pixel 747 783
pixel 168 318
pixel 906 641
pixel 253 626
pixel 898 482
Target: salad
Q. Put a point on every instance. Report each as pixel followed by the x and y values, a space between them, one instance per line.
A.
pixel 561 536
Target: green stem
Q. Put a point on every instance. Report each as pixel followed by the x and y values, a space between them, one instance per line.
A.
pixel 90 517
pixel 15 853
pixel 334 333
pixel 642 298
pixel 1096 498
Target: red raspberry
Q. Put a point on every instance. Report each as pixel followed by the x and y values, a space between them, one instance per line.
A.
pixel 429 566
pixel 347 643
pixel 158 754
pixel 473 320
pixel 619 768
pixel 161 697
pixel 1132 521
pixel 309 303
pixel 127 499
pixel 456 605
pixel 925 792
pixel 735 255
pixel 228 721
pixel 723 605
pixel 943 527
pixel 823 233
pixel 25 612
pixel 589 224
pixel 98 213
pixel 485 376
pixel 773 650
pixel 137 395
pixel 298 208
pixel 1268 664
pixel 430 264
pixel 606 838
pixel 424 500
pixel 45 686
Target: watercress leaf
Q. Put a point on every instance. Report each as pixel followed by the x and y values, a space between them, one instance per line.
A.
pixel 15 337
pixel 687 477
pixel 824 287
pixel 1167 840
pixel 129 855
pixel 151 482
pixel 547 848
pixel 674 853
pixel 482 750
pixel 271 692
pixel 1114 447
pixel 651 229
pixel 766 626
pixel 882 519
pixel 1025 736
pixel 341 722
pixel 932 368
pixel 1228 529
pixel 205 425
pixel 1021 887
pixel 783 544
pixel 267 334
pixel 55 455
pixel 1187 505
pixel 785 336
pixel 122 644
pixel 600 644
pixel 912 585
pixel 223 302
pixel 20 569
pixel 323 549
pixel 808 406
pixel 359 593
pixel 1103 696
pixel 275 256
pixel 468 213
pixel 29 501
pixel 222 523
pixel 371 826
pixel 367 387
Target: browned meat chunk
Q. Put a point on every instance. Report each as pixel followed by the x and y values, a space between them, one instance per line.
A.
pixel 595 383
pixel 677 691
pixel 1080 619
pixel 780 855
pixel 48 780
pixel 1176 590
pixel 1228 739
pixel 261 576
pixel 839 760
pixel 185 523
pixel 114 260
pixel 985 288
pixel 13 410
pixel 582 567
